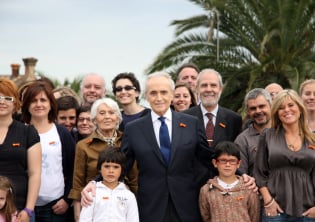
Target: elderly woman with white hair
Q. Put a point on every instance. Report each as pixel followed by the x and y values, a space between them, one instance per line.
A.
pixel 106 116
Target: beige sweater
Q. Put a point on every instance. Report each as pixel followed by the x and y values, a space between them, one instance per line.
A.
pixel 238 204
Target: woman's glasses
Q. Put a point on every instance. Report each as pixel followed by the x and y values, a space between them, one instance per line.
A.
pixel 7 98
pixel 126 88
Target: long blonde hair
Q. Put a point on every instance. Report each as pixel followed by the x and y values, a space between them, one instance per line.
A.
pixel 303 126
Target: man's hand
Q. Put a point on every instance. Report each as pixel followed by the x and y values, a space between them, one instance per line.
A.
pixel 60 207
pixel 250 182
pixel 85 197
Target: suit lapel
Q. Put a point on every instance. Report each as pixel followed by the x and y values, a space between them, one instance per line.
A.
pixel 176 134
pixel 220 125
pixel 149 135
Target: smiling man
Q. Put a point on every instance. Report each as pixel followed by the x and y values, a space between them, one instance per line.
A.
pixel 187 73
pixel 67 107
pixel 258 108
pixel 164 176
pixel 92 88
pixel 226 124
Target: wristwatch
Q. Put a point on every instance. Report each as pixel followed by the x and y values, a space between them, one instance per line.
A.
pixel 29 212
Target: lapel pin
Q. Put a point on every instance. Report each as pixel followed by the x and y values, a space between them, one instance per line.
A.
pixel 222 125
pixel 182 125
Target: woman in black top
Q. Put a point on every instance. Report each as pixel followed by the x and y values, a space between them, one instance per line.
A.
pixel 20 151
pixel 127 90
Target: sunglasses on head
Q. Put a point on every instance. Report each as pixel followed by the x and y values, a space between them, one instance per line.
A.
pixel 126 88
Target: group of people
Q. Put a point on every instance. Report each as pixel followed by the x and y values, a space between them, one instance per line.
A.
pixel 87 158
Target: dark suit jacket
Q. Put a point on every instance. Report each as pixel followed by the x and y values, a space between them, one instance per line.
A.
pixel 227 127
pixel 157 181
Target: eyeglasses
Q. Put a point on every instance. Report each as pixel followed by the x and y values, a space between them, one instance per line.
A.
pixel 126 88
pixel 225 161
pixel 82 119
pixel 7 98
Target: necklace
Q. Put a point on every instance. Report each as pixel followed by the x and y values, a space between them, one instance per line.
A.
pixel 293 145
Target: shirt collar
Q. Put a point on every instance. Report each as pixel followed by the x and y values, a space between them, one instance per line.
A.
pixel 167 115
pixel 214 111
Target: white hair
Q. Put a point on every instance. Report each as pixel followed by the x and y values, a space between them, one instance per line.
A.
pixel 108 102
pixel 160 74
pixel 212 71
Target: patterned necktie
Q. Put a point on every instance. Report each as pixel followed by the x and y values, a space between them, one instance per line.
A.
pixel 165 143
pixel 209 129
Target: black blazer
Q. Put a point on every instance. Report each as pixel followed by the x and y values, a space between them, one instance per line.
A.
pixel 159 181
pixel 227 127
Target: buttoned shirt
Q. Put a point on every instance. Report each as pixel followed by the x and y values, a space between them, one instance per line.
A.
pixel 205 118
pixel 248 142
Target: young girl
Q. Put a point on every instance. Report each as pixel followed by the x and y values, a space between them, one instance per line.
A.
pixel 113 201
pixel 7 206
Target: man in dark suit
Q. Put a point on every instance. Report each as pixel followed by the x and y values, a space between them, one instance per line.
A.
pixel 227 123
pixel 167 189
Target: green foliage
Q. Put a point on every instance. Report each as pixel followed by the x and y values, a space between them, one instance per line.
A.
pixel 259 41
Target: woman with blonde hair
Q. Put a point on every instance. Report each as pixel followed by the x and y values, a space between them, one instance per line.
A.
pixel 284 169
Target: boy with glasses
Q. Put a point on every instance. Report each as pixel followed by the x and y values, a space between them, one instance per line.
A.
pixel 225 197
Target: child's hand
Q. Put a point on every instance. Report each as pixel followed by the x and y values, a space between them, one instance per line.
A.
pixel 86 199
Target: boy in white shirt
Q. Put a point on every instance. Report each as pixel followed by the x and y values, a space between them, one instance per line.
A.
pixel 113 201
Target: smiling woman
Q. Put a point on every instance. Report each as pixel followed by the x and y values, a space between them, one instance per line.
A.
pixel 39 109
pixel 126 88
pixel 285 162
pixel 307 92
pixel 183 97
pixel 106 116
pixel 20 151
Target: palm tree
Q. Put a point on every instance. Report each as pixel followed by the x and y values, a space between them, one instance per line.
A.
pixel 250 42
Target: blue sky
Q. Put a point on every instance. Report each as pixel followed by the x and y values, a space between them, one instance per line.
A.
pixel 73 37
